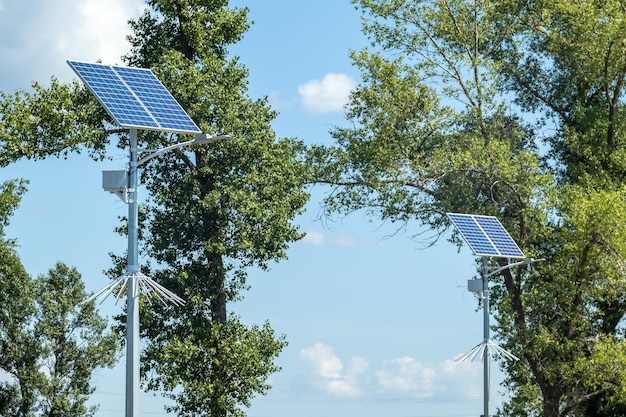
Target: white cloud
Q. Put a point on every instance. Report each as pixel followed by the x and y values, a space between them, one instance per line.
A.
pixel 406 375
pixel 102 31
pixel 402 377
pixel 328 371
pixel 468 374
pixel 323 360
pixel 344 240
pixel 328 95
pixel 314 238
pixel 36 38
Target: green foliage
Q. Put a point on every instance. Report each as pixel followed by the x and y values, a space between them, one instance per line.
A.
pixel 221 367
pixel 50 343
pixel 214 211
pixel 51 120
pixel 607 358
pixel 18 352
pixel 433 131
pixel 197 29
pixel 573 298
pixel 10 195
pixel 568 58
pixel 414 153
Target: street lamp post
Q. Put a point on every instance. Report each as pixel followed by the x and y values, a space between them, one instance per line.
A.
pixel 487 238
pixel 135 99
pixel 132 268
pixel 132 299
pixel 124 184
pixel 488 348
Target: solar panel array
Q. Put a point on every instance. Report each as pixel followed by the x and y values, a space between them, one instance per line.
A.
pixel 486 236
pixel 134 98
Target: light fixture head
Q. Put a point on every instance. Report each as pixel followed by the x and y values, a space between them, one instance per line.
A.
pixel 533 260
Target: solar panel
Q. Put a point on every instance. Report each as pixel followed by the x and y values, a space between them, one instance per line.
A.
pixel 486 236
pixel 134 98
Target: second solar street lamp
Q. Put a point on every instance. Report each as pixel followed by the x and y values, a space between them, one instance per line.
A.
pixel 487 238
pixel 136 99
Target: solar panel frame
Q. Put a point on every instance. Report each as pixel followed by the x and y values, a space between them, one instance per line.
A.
pixel 486 236
pixel 134 98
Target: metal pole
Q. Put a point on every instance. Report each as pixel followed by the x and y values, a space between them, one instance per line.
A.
pixel 487 351
pixel 132 269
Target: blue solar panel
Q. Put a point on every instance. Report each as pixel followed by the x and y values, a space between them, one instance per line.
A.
pixel 134 98
pixel 486 236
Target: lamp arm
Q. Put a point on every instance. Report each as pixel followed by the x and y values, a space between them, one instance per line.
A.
pixel 198 140
pixel 522 262
pixel 163 150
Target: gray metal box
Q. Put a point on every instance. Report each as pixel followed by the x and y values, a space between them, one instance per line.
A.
pixel 475 285
pixel 115 181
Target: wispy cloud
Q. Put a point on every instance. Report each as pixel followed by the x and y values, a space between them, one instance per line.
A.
pixel 74 29
pixel 330 94
pixel 404 376
pixel 102 30
pixel 314 238
pixel 465 374
pixel 344 240
pixel 407 375
pixel 328 371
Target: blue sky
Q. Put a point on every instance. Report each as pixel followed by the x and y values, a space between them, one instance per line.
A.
pixel 373 320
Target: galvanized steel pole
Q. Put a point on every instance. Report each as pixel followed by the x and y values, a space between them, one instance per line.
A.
pixel 132 270
pixel 486 337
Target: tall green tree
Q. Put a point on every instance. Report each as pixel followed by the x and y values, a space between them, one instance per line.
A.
pixel 214 212
pixel 18 352
pixel 50 343
pixel 575 52
pixel 73 341
pixel 445 119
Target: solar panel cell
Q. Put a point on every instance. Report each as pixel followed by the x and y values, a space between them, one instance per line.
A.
pixel 134 98
pixel 157 100
pixel 486 236
pixel 109 89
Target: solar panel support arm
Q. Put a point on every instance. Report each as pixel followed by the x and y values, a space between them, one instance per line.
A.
pixel 198 140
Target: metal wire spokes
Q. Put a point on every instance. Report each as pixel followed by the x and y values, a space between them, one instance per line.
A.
pixel 146 286
pixel 479 352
